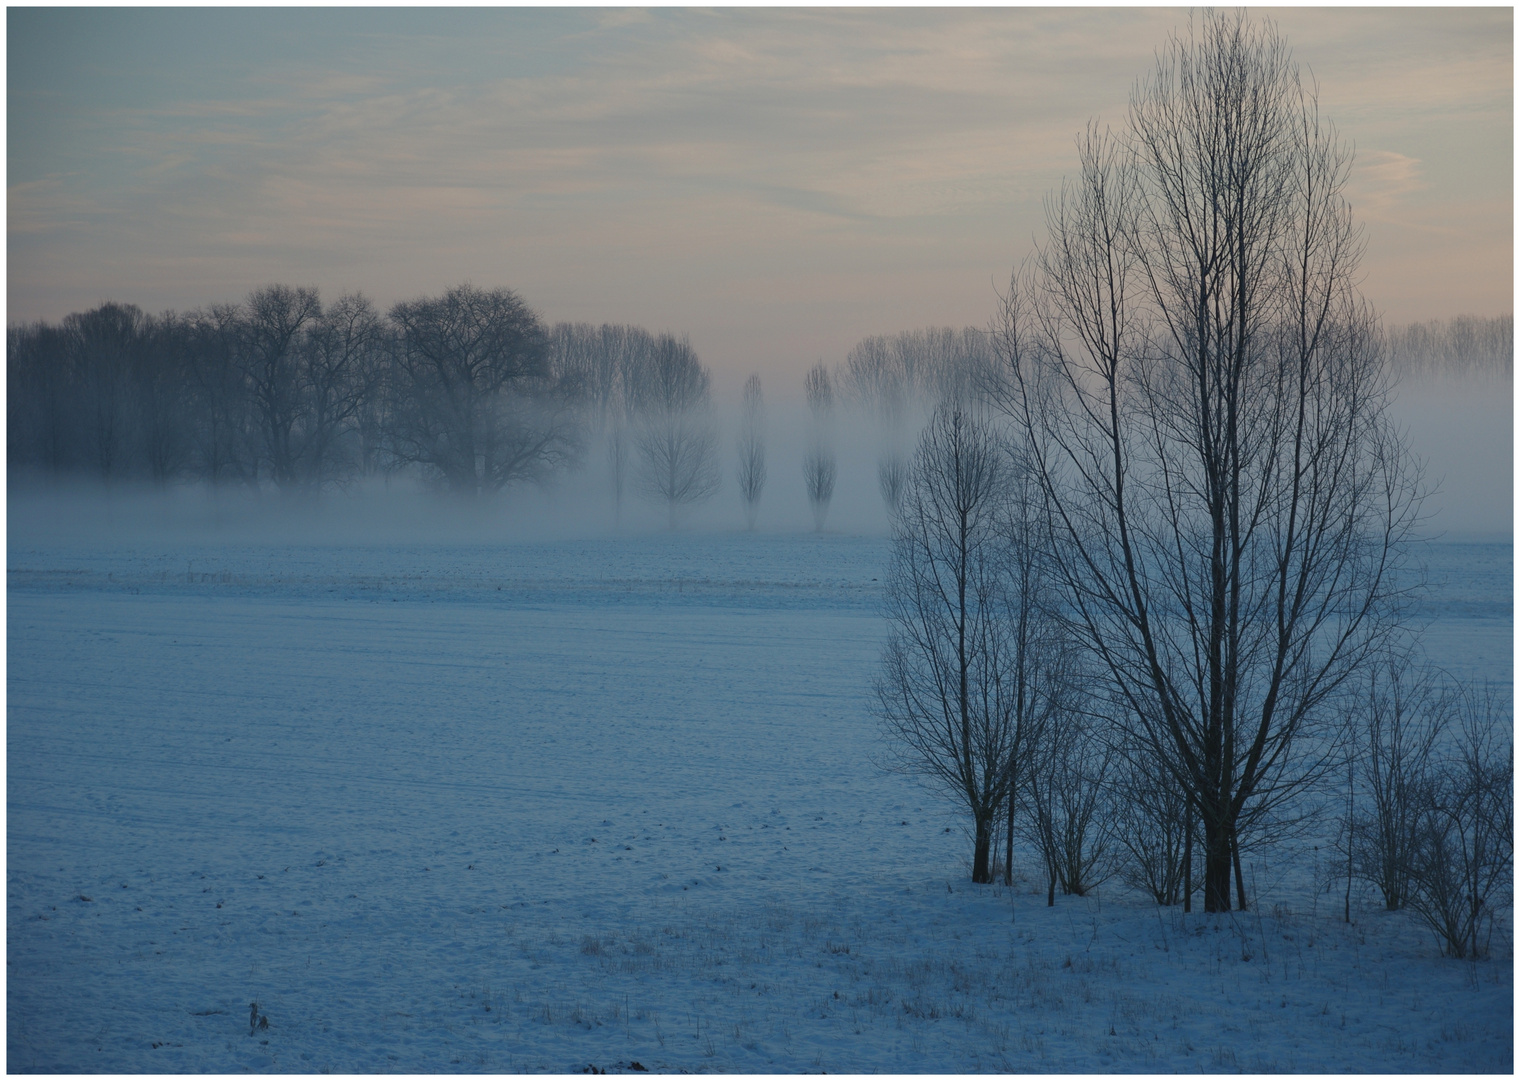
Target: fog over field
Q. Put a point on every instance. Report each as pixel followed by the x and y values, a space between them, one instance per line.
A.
pixel 759 541
pixel 1460 428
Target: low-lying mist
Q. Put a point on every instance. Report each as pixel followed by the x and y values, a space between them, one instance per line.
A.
pixel 1461 429
pixel 405 509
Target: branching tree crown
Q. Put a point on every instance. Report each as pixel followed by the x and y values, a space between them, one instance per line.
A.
pixel 1198 381
pixel 970 672
pixel 677 446
pixel 476 400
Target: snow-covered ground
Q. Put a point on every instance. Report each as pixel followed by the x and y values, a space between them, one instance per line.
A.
pixel 517 805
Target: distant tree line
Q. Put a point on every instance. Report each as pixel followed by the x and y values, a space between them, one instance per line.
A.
pixel 895 379
pixel 1467 345
pixel 468 390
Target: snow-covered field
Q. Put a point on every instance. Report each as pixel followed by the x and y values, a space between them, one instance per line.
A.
pixel 517 805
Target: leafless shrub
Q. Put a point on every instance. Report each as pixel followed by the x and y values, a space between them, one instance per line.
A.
pixel 1462 866
pixel 1071 810
pixel 1400 715
pixel 1152 824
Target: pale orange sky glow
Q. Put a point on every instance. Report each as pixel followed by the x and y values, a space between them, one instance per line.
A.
pixel 778 183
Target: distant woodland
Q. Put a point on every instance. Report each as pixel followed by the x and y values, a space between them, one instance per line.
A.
pixel 469 390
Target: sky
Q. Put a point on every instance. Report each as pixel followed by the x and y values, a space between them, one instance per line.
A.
pixel 778 184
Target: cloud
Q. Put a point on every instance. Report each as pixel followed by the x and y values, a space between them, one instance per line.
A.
pixel 47 205
pixel 682 168
pixel 1382 180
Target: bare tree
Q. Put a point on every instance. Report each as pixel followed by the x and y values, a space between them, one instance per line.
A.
pixel 270 337
pixel 876 378
pixel 1400 712
pixel 226 438
pixel 1462 868
pixel 607 364
pixel 962 689
pixel 676 444
pixel 751 449
pixel 161 398
pixel 340 368
pixel 474 397
pixel 1198 380
pixel 38 400
pixel 678 456
pixel 105 348
pixel 1464 347
pixel 894 376
pixel 633 350
pixel 819 465
pixel 891 474
pixel 1041 656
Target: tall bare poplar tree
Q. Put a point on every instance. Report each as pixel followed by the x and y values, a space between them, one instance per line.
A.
pixel 819 465
pixel 751 449
pixel 1197 376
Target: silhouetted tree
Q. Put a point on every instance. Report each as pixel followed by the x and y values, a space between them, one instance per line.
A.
pixel 161 397
pixel 676 444
pixel 41 405
pixel 104 346
pixel 1208 414
pixel 970 672
pixel 819 464
pixel 474 400
pixel 751 449
pixel 340 368
pixel 269 343
pixel 225 432
pixel 897 377
pixel 609 364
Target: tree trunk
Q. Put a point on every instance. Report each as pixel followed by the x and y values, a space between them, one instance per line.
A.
pixel 1350 839
pixel 1007 867
pixel 1239 874
pixel 1216 865
pixel 1186 862
pixel 981 872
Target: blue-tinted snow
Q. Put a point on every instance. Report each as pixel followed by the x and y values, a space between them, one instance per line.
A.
pixel 534 806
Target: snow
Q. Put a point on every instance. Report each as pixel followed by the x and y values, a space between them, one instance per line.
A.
pixel 513 805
